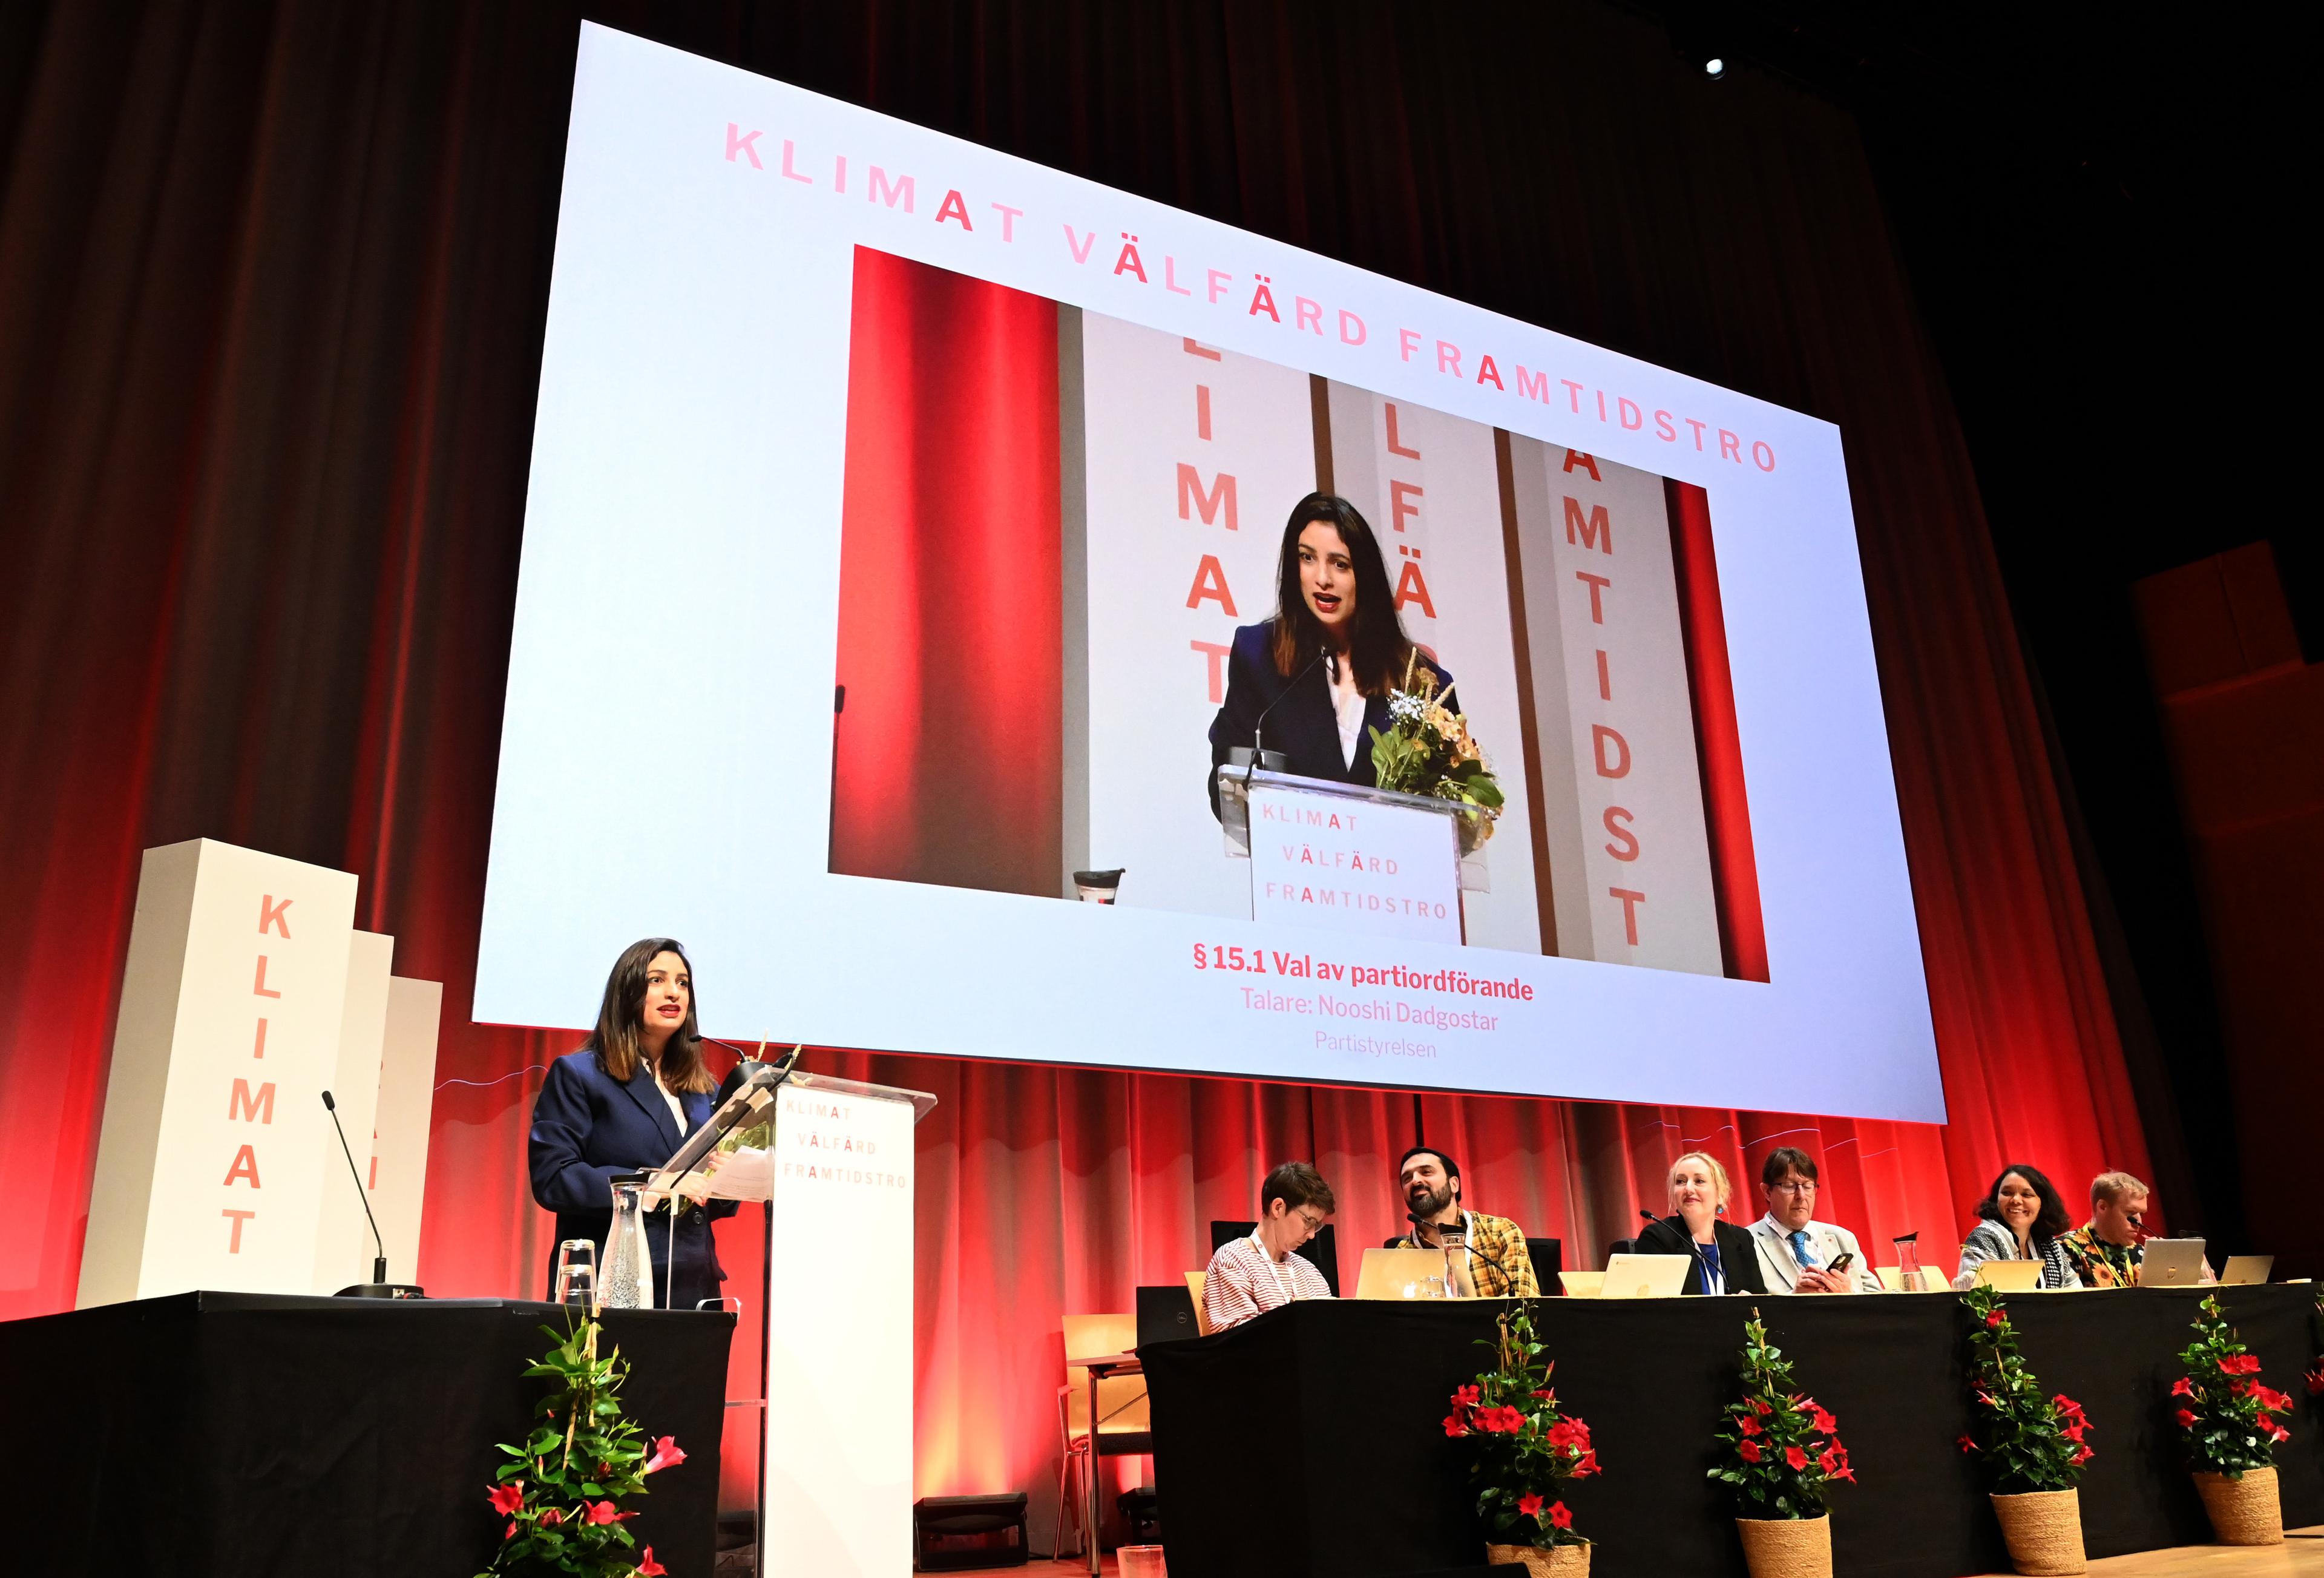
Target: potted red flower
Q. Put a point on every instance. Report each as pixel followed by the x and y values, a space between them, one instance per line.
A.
pixel 2315 1375
pixel 1523 1447
pixel 1782 1453
pixel 561 1495
pixel 2033 1447
pixel 2226 1418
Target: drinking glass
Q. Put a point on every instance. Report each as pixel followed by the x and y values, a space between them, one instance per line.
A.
pixel 577 1272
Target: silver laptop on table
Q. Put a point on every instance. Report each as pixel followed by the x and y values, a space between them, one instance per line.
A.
pixel 2171 1262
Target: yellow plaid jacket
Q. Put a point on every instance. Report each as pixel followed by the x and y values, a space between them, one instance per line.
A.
pixel 1494 1238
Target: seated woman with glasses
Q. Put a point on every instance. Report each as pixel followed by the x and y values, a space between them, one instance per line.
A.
pixel 1249 1276
pixel 2023 1218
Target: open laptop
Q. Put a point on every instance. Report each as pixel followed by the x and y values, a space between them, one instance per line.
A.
pixel 1645 1276
pixel 2170 1262
pixel 2010 1276
pixel 1400 1274
pixel 1166 1315
pixel 2248 1269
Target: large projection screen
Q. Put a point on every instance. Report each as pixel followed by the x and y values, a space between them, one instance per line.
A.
pixel 894 507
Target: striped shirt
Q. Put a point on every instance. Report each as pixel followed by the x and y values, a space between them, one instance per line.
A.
pixel 1245 1280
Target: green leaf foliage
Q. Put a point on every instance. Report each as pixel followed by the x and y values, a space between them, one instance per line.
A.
pixel 1522 1446
pixel 560 1498
pixel 2027 1441
pixel 1781 1450
pixel 2225 1413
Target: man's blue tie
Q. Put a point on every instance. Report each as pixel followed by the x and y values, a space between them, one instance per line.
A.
pixel 1800 1250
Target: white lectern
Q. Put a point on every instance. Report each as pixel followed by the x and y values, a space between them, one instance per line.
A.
pixel 833 1160
pixel 1349 858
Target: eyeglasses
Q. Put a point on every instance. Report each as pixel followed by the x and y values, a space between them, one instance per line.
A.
pixel 1311 1221
pixel 1794 1186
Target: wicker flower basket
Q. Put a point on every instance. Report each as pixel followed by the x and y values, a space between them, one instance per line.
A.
pixel 1561 1561
pixel 1786 1547
pixel 2043 1530
pixel 2246 1511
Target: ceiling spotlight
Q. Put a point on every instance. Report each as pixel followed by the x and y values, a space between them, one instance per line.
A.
pixel 1714 68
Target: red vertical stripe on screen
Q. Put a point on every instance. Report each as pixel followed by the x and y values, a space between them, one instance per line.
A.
pixel 1718 747
pixel 948 749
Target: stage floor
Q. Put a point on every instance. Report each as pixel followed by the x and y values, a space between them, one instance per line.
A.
pixel 2302 1555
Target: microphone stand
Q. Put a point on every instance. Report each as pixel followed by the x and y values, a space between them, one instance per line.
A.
pixel 1700 1264
pixel 749 1073
pixel 1508 1281
pixel 1258 729
pixel 379 1287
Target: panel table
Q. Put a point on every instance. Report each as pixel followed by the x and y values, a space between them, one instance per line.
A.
pixel 252 1434
pixel 1310 1440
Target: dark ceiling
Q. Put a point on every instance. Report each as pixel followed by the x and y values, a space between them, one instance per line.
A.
pixel 2098 207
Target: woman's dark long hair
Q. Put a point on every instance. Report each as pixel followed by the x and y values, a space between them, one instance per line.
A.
pixel 2049 1224
pixel 617 1040
pixel 1376 645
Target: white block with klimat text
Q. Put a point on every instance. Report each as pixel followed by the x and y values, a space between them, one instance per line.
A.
pixel 1348 864
pixel 215 1149
pixel 342 1238
pixel 839 1338
pixel 397 1174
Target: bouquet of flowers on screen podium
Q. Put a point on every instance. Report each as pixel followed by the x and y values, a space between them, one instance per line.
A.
pixel 1525 1448
pixel 2227 1415
pixel 1781 1452
pixel 1426 750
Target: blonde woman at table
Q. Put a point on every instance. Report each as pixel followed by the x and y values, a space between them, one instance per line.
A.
pixel 2023 1217
pixel 1725 1259
pixel 1250 1276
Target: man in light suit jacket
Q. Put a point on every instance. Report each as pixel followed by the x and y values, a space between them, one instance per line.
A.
pixel 1795 1251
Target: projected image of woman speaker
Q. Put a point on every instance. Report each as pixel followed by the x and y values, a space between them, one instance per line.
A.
pixel 1313 682
pixel 624 1103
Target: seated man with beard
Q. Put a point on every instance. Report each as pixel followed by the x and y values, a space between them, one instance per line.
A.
pixel 1484 1256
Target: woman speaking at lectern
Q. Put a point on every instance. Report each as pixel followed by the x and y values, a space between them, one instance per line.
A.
pixel 624 1103
pixel 1314 680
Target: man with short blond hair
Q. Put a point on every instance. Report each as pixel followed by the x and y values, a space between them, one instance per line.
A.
pixel 2104 1250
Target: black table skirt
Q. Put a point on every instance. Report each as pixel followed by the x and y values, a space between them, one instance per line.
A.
pixel 1309 1441
pixel 244 1434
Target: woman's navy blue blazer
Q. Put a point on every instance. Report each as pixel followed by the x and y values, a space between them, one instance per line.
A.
pixel 1304 727
pixel 587 1127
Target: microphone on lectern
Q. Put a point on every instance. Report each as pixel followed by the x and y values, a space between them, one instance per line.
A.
pixel 379 1287
pixel 1258 729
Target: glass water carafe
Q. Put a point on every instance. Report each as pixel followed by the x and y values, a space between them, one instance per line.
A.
pixel 626 1267
pixel 1908 1264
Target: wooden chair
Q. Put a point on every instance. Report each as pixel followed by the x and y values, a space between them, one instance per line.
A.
pixel 1194 1281
pixel 1123 1426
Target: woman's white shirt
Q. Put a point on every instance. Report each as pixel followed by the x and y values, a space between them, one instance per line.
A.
pixel 1348 707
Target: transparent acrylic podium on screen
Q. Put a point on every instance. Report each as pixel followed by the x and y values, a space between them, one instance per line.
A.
pixel 1423 853
pixel 832 1159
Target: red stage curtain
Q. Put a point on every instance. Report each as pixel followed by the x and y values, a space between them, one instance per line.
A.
pixel 271 282
pixel 947 764
pixel 1719 745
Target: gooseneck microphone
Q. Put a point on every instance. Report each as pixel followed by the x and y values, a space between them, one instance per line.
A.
pixel 379 1287
pixel 1258 729
pixel 1460 1234
pixel 1691 1249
